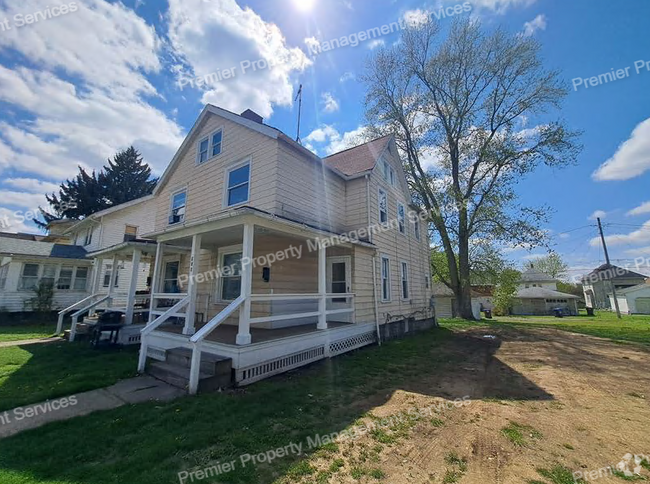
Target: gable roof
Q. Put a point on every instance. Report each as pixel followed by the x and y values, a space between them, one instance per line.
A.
pixel 533 275
pixel 616 271
pixel 359 159
pixel 13 246
pixel 543 293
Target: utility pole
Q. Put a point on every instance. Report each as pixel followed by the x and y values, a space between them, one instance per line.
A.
pixel 602 237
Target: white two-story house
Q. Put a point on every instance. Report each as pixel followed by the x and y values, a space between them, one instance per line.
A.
pixel 258 256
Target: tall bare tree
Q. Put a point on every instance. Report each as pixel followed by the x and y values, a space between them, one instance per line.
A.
pixel 460 105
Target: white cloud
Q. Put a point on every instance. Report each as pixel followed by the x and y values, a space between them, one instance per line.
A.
pixel 30 201
pixel 332 141
pixel 598 214
pixel 631 159
pixel 32 185
pixel 640 210
pixel 637 237
pixel 373 44
pixel 197 27
pixel 499 6
pixel 330 105
pixel 415 17
pixel 347 76
pixel 13 222
pixel 538 23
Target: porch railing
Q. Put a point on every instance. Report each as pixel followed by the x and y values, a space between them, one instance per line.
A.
pixel 349 300
pixel 75 316
pixel 171 312
pixel 63 312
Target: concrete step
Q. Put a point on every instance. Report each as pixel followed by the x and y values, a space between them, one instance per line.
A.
pixel 212 364
pixel 179 377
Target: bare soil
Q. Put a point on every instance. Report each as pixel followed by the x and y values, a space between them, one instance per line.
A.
pixel 583 403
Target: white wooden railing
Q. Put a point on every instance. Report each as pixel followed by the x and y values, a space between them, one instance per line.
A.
pixel 301 297
pixel 75 316
pixel 171 312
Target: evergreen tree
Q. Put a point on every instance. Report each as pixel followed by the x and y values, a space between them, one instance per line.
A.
pixel 127 177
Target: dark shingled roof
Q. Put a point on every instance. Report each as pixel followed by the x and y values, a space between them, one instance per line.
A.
pixel 17 246
pixel 615 271
pixel 358 159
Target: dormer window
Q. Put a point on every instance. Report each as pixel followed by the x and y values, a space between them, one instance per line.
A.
pixel 209 147
pixel 177 209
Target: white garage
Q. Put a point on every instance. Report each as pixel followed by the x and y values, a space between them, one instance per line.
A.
pixel 634 300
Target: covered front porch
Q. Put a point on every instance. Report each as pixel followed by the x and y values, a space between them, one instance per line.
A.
pixel 256 289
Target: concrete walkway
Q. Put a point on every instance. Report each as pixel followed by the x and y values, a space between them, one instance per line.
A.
pixel 134 390
pixel 23 342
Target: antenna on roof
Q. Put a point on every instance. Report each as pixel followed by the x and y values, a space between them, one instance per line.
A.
pixel 299 98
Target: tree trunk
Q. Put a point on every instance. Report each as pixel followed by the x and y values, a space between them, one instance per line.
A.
pixel 464 289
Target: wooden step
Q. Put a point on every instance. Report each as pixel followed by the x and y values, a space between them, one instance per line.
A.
pixel 213 364
pixel 179 377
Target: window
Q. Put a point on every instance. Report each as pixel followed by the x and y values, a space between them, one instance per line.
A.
pixel 49 274
pixel 109 273
pixel 401 218
pixel 177 214
pixel 391 176
pixel 405 280
pixel 416 229
pixel 388 173
pixel 81 279
pixel 202 151
pixel 216 143
pixel 170 278
pixel 230 276
pixel 89 236
pixel 426 282
pixel 29 278
pixel 383 206
pixel 130 233
pixel 238 184
pixel 3 275
pixel 385 278
pixel 64 281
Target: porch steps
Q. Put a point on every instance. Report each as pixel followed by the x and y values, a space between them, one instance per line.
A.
pixel 215 371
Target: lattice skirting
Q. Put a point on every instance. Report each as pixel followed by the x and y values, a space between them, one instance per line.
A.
pixel 351 343
pixel 279 365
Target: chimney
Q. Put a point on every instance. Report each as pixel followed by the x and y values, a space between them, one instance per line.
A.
pixel 253 116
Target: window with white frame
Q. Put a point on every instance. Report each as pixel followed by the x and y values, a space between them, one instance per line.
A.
pixel 81 279
pixel 391 177
pixel 388 173
pixel 383 206
pixel 238 184
pixel 385 278
pixel 64 282
pixel 401 218
pixel 405 280
pixel 49 275
pixel 416 229
pixel 108 273
pixel 202 150
pixel 89 236
pixel 209 147
pixel 4 270
pixel 216 139
pixel 230 270
pixel 177 209
pixel 426 281
pixel 29 277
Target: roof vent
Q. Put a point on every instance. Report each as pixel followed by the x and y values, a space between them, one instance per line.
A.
pixel 253 116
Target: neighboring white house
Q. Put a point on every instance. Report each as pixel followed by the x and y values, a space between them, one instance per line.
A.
pixel 537 295
pixel 445 302
pixel 597 285
pixel 26 261
pixel 259 256
pixel 633 300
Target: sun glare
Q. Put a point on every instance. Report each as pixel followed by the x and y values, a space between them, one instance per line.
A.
pixel 304 5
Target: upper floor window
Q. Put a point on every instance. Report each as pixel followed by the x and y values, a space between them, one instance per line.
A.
pixel 388 173
pixel 238 184
pixel 416 229
pixel 89 236
pixel 385 278
pixel 177 209
pixel 130 233
pixel 401 218
pixel 383 206
pixel 209 147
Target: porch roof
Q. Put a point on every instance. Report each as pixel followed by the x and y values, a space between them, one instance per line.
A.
pixel 229 215
pixel 147 247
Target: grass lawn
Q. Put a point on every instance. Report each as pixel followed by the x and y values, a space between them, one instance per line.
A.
pixel 25 332
pixel 151 443
pixel 33 373
pixel 604 324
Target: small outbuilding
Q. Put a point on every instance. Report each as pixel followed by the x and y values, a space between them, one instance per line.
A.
pixel 540 301
pixel 633 300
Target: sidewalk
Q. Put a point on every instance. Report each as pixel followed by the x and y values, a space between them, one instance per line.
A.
pixel 134 390
pixel 23 342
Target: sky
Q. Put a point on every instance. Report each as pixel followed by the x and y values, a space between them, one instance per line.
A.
pixel 80 80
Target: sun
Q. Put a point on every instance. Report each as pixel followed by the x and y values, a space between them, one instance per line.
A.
pixel 304 5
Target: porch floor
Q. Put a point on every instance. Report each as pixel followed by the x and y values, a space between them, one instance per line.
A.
pixel 227 334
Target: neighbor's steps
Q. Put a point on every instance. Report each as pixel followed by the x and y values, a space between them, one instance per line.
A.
pixel 214 371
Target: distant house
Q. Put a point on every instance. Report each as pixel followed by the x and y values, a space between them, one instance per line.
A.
pixel 597 285
pixel 445 302
pixel 28 260
pixel 537 295
pixel 633 300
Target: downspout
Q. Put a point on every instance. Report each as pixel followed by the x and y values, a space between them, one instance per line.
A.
pixel 367 177
pixel 374 295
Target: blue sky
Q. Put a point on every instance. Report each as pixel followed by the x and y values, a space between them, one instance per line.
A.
pixel 80 83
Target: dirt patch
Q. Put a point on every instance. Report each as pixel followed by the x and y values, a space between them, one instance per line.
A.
pixel 538 399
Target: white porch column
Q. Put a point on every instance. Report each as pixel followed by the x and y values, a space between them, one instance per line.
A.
pixel 244 334
pixel 111 284
pixel 154 279
pixel 189 329
pixel 322 287
pixel 96 282
pixel 133 286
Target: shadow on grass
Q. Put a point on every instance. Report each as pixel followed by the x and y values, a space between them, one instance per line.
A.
pixel 151 443
pixel 36 372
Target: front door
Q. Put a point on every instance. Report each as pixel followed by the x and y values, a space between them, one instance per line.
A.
pixel 339 281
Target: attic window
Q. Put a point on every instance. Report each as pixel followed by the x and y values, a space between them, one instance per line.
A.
pixel 388 173
pixel 209 147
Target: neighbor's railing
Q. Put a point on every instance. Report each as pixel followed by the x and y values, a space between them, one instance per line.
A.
pixel 75 316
